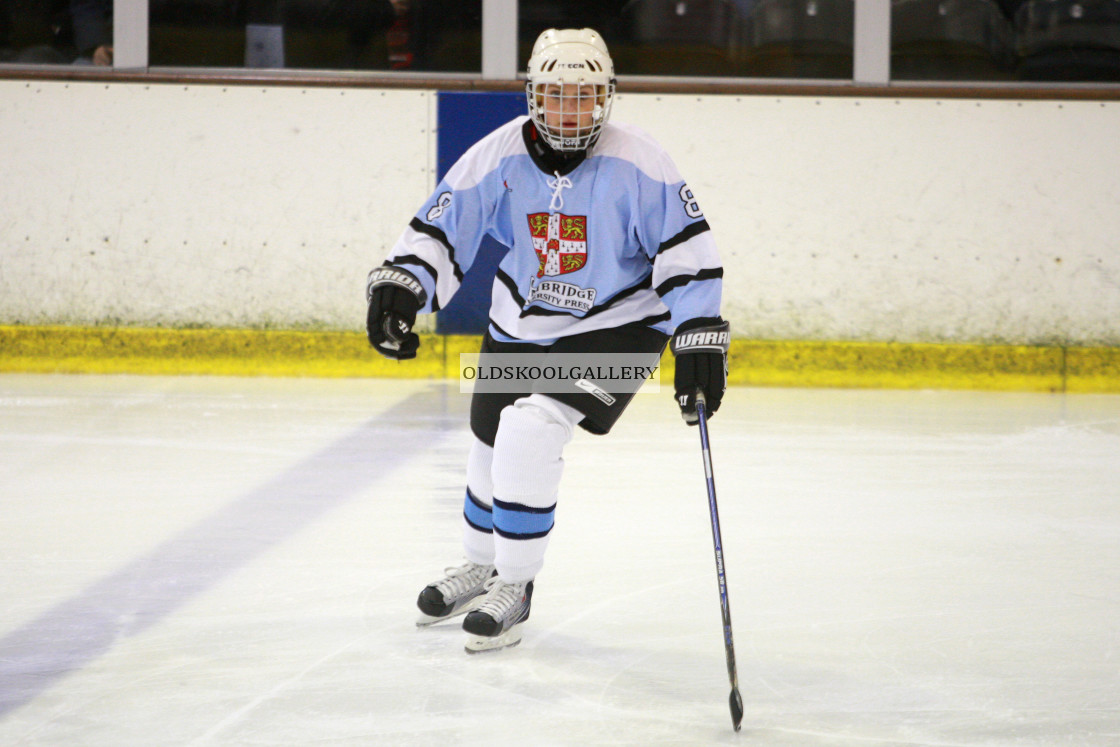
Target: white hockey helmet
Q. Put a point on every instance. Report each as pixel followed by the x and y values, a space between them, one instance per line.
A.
pixel 574 69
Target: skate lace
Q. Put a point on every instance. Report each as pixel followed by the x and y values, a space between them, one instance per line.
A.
pixel 501 597
pixel 558 185
pixel 461 580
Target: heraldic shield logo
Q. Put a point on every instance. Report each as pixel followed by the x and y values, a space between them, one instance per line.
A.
pixel 560 242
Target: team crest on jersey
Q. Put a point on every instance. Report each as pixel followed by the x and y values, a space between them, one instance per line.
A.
pixel 560 242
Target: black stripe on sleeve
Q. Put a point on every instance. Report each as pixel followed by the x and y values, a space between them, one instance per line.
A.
pixel 429 230
pixel 692 229
pixel 510 285
pixel 679 280
pixel 498 327
pixel 412 259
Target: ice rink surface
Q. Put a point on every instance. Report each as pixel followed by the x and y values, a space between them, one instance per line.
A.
pixel 235 561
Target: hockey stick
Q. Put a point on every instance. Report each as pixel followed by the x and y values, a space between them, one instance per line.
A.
pixel 736 700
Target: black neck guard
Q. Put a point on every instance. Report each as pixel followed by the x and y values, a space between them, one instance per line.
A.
pixel 548 160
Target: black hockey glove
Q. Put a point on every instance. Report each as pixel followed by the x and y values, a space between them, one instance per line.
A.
pixel 394 297
pixel 700 348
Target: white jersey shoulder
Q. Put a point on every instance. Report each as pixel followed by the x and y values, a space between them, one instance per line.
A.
pixel 481 158
pixel 632 143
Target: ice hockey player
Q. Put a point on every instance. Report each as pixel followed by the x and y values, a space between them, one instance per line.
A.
pixel 608 252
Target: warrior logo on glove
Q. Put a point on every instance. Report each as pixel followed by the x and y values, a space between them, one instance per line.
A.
pixel 393 276
pixel 710 340
pixel 700 347
pixel 395 296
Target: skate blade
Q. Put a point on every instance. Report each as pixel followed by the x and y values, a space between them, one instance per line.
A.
pixel 425 621
pixel 478 644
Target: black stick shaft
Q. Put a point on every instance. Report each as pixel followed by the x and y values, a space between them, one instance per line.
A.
pixel 736 701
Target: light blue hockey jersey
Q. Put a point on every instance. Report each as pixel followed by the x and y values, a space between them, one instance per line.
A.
pixel 620 239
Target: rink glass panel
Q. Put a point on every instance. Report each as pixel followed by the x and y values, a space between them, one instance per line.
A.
pixel 710 38
pixel 1062 41
pixel 1001 40
pixel 429 36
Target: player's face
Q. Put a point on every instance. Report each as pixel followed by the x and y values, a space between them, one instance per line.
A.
pixel 569 109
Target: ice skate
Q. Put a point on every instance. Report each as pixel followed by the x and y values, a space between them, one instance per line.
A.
pixel 496 623
pixel 457 593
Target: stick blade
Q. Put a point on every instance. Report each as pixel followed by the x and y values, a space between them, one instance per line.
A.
pixel 736 701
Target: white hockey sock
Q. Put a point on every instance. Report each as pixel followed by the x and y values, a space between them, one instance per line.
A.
pixel 526 470
pixel 478 521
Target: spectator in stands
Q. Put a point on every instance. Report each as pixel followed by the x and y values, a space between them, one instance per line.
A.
pixel 58 32
pixel 92 23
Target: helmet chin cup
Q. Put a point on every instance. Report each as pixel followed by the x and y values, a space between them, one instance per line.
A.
pixel 567 67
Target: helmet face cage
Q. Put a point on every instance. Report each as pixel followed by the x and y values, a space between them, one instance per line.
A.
pixel 570 87
pixel 570 116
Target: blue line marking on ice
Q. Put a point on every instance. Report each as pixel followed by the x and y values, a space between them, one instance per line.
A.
pixel 77 631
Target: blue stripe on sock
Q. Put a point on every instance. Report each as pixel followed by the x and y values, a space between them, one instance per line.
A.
pixel 477 513
pixel 518 521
